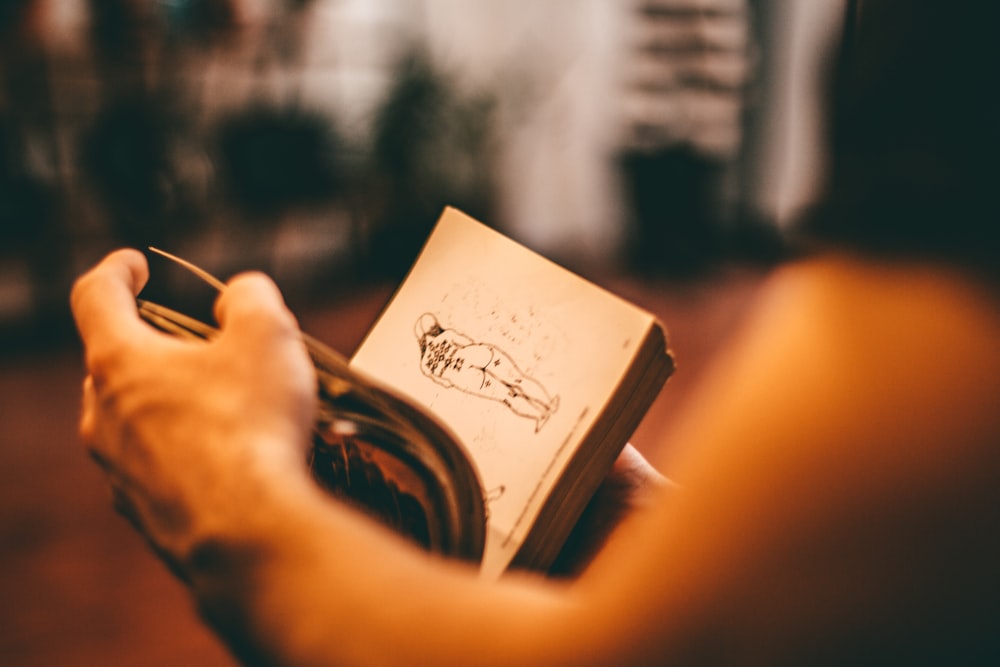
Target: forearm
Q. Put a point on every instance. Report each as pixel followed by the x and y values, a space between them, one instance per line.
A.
pixel 310 582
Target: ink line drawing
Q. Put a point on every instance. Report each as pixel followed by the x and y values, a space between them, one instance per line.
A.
pixel 454 360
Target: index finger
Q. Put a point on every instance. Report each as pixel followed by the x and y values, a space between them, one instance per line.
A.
pixel 103 300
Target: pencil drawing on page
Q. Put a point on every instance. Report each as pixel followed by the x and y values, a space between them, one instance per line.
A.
pixel 482 369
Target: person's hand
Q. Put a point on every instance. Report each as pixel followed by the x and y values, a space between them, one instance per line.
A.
pixel 628 487
pixel 189 433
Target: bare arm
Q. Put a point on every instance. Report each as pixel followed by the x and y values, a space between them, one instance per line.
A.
pixel 813 444
pixel 837 481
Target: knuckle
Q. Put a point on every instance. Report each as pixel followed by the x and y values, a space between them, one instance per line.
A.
pixel 101 361
pixel 86 431
pixel 110 355
pixel 81 287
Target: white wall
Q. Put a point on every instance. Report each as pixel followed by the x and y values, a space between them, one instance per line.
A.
pixel 555 62
pixel 791 167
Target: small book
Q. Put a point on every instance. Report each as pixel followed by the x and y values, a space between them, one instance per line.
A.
pixel 488 401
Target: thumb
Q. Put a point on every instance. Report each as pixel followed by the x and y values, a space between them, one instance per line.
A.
pixel 103 304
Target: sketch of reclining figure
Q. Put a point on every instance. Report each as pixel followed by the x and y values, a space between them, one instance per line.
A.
pixel 454 360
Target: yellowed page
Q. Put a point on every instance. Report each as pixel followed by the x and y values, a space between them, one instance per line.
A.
pixel 514 353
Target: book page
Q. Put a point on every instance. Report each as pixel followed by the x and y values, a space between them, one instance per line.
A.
pixel 515 354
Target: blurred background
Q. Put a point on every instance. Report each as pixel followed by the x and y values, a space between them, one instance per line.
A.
pixel 657 147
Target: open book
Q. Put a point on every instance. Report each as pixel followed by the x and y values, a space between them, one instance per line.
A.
pixel 487 402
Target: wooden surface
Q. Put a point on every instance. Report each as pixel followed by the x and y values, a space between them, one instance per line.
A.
pixel 79 587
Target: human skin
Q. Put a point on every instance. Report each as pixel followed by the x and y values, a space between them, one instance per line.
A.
pixel 837 491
